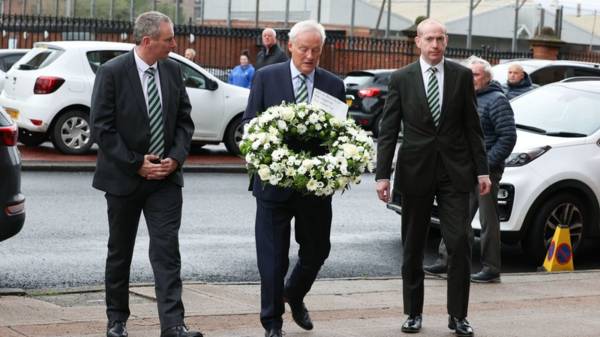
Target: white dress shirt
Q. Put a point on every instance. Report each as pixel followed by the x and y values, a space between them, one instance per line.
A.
pixel 439 74
pixel 310 80
pixel 141 68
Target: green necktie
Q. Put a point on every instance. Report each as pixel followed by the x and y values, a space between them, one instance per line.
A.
pixel 302 91
pixel 157 142
pixel 433 96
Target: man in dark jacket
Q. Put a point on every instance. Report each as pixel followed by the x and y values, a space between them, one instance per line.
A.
pixel 498 124
pixel 518 82
pixel 271 52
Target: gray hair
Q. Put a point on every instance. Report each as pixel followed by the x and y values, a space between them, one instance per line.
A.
pixel 270 30
pixel 148 24
pixel 487 67
pixel 307 26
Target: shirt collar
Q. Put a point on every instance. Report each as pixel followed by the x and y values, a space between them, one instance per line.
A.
pixel 425 66
pixel 296 72
pixel 140 64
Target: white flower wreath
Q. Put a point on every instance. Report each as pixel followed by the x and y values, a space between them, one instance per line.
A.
pixel 350 149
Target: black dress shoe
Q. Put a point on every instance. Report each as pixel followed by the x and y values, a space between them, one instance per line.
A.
pixel 275 332
pixel 300 314
pixel 412 324
pixel 485 276
pixel 437 269
pixel 180 331
pixel 116 329
pixel 461 326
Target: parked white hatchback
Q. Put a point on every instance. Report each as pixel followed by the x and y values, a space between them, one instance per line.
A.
pixel 552 178
pixel 48 94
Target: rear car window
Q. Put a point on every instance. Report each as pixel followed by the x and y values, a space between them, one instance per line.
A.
pixel 99 57
pixel 357 80
pixel 41 58
pixel 7 61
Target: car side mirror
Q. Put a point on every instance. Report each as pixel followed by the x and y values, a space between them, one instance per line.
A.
pixel 212 85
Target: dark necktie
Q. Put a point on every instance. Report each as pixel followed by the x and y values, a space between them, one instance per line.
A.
pixel 157 142
pixel 433 96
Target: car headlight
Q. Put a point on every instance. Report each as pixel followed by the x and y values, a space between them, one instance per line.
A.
pixel 522 158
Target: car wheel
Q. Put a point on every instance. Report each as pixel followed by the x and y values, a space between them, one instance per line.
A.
pixel 233 136
pixel 72 133
pixel 565 209
pixel 28 138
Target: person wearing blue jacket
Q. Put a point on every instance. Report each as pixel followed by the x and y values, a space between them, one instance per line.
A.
pixel 500 135
pixel 243 73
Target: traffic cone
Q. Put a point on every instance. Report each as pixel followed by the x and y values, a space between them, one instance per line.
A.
pixel 560 252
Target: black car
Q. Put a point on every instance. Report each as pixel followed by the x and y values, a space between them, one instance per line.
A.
pixel 366 91
pixel 12 202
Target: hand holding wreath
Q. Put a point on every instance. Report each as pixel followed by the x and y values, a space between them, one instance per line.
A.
pixel 348 150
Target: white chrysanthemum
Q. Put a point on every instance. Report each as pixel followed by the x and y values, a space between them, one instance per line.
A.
pixel 301 129
pixel 350 150
pixel 307 164
pixel 312 185
pixel 264 172
pixel 288 114
pixel 282 125
pixel 313 118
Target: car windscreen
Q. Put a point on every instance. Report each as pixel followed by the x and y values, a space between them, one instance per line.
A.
pixel 39 58
pixel 558 110
pixel 357 80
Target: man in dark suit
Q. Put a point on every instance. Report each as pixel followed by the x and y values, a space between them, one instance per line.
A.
pixel 141 122
pixel 275 207
pixel 442 156
pixel 270 53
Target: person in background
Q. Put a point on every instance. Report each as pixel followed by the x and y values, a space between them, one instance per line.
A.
pixel 190 54
pixel 518 82
pixel 500 135
pixel 243 73
pixel 271 52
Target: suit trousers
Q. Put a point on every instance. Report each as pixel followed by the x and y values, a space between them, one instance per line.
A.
pixel 490 227
pixel 312 226
pixel 453 209
pixel 160 202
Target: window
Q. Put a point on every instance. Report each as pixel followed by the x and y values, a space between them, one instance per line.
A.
pixel 7 61
pixel 549 75
pixel 192 78
pixel 584 71
pixel 41 59
pixel 98 58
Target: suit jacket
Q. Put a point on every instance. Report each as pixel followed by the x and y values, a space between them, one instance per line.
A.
pixel 457 141
pixel 120 122
pixel 272 85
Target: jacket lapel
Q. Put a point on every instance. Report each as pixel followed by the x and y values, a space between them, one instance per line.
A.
pixel 136 84
pixel 448 74
pixel 420 92
pixel 164 90
pixel 288 89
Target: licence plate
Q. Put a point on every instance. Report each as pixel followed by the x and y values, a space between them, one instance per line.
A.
pixel 349 101
pixel 13 113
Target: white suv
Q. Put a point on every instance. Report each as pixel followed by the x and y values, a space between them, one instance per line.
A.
pixel 48 93
pixel 552 177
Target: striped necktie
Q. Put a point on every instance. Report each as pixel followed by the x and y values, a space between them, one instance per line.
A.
pixel 157 142
pixel 433 96
pixel 302 90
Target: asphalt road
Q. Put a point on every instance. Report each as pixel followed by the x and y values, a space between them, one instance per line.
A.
pixel 63 243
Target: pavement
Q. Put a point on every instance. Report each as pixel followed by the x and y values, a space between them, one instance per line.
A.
pixel 210 158
pixel 540 304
